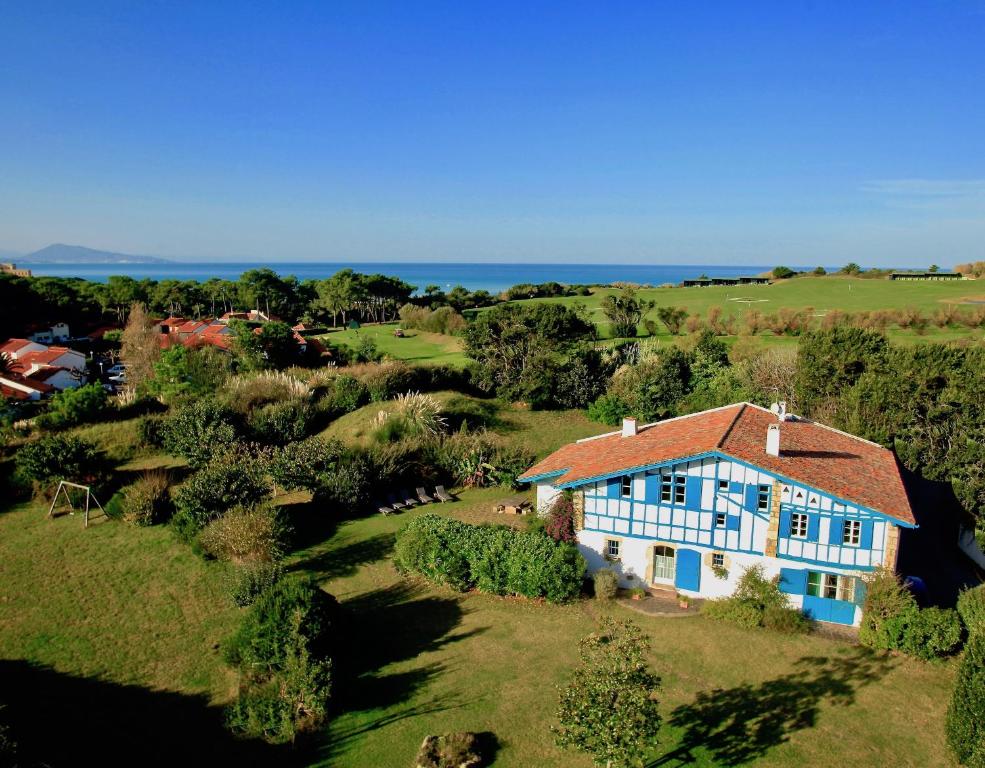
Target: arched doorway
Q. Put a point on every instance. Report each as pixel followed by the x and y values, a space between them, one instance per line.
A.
pixel 663 565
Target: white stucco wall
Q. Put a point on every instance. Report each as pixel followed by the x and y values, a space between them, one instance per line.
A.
pixel 546 493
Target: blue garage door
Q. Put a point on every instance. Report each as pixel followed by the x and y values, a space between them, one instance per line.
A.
pixel 688 574
pixel 826 609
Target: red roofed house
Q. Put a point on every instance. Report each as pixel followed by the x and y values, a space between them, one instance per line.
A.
pixel 38 370
pixel 16 348
pixel 690 503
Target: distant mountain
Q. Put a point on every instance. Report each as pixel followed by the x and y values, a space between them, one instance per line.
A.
pixel 78 254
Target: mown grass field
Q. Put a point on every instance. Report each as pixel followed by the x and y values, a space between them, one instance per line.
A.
pixel 134 610
pixel 822 294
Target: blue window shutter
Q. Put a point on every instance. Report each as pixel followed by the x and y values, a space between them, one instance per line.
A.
pixel 793 581
pixel 692 493
pixel 785 523
pixel 752 498
pixel 836 535
pixel 687 572
pixel 732 522
pixel 652 489
pixel 841 612
pixel 865 539
pixel 813 527
pixel 613 488
pixel 735 487
pixel 860 589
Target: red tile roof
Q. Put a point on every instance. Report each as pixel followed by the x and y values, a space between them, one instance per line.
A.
pixel 12 345
pixel 47 356
pixel 843 465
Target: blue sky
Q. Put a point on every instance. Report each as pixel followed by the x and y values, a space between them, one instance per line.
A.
pixel 785 132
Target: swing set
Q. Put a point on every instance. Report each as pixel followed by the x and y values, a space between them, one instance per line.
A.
pixel 63 489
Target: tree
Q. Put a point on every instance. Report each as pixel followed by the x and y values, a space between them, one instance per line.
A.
pixel 782 273
pixel 517 346
pixel 820 271
pixel 965 723
pixel 673 318
pixel 625 311
pixel 830 361
pixel 140 347
pixel 610 709
pixel 934 268
pixel 663 383
pixel 851 268
pixel 273 345
pixel 75 406
pixel 172 379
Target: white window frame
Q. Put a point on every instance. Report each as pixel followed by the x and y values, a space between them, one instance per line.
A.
pixel 763 494
pixel 609 555
pixel 626 486
pixel 680 489
pixel 851 534
pixel 798 525
pixel 830 586
pixel 717 559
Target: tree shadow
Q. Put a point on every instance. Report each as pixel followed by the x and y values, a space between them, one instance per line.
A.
pixel 393 624
pixel 344 561
pixel 740 724
pixel 59 719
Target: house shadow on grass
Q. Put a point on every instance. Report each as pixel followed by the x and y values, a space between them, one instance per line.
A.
pixel 57 719
pixel 383 627
pixel 737 725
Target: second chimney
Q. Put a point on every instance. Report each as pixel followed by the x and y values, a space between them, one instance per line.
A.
pixel 628 427
pixel 772 439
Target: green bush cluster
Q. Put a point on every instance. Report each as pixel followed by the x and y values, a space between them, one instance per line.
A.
pixel 758 602
pixel 606 584
pixel 200 430
pixel 247 582
pixel 492 558
pixel 256 533
pixel 283 650
pixel 476 460
pixel 965 722
pixel 75 406
pixel 892 621
pixel 227 482
pixel 971 607
pixel 608 409
pixel 41 463
pixel 146 500
pixel 282 422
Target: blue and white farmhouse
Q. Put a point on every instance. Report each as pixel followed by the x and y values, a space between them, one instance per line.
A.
pixel 690 503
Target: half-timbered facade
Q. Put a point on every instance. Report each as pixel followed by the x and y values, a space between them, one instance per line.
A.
pixel 690 503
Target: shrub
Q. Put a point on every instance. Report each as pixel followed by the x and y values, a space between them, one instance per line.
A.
pixel 610 709
pixel 256 533
pixel 347 394
pixel 281 423
pixel 971 606
pixel 560 521
pixel 291 611
pixel 216 488
pixel 965 723
pixel 245 393
pixel 789 621
pixel 75 406
pixel 733 611
pixel 926 633
pixel 608 409
pixel 451 750
pixel 249 580
pixel 758 590
pixel 606 584
pixel 496 558
pixel 200 430
pixel 885 599
pixel 384 382
pixel 57 457
pixel 301 465
pixel 146 501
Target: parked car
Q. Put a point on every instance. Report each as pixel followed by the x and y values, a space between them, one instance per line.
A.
pixel 116 370
pixel 120 378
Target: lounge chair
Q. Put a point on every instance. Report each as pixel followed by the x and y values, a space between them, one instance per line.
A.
pixel 423 496
pixel 442 494
pixel 409 499
pixel 384 510
pixel 395 503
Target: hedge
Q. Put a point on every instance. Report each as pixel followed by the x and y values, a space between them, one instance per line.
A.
pixel 492 558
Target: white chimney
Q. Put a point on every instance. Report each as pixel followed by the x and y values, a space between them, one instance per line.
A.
pixel 628 427
pixel 773 440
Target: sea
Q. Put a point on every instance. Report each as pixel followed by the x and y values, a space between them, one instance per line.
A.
pixel 475 276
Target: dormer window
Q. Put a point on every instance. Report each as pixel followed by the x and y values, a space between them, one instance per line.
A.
pixel 626 488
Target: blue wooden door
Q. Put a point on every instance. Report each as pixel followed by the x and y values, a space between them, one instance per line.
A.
pixel 688 574
pixel 827 609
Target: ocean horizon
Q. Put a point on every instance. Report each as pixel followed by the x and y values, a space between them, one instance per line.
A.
pixel 483 276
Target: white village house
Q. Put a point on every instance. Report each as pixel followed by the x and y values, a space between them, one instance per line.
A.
pixel 689 503
pixel 37 370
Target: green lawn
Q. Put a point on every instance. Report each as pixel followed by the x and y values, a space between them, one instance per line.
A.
pixel 415 346
pixel 137 620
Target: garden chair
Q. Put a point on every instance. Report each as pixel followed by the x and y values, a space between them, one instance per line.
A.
pixel 442 494
pixel 384 509
pixel 409 499
pixel 394 502
pixel 423 496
